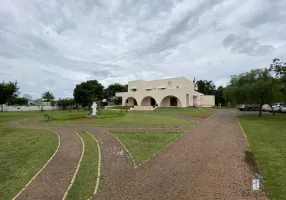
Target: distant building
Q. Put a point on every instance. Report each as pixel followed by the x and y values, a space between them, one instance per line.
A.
pixel 170 92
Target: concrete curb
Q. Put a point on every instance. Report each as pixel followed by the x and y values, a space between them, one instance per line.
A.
pixel 244 134
pixel 77 168
pixel 99 165
pixel 59 143
pixel 134 164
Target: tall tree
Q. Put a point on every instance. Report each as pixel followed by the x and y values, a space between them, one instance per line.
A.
pixel 206 87
pixel 219 99
pixel 8 90
pixel 87 92
pixel 279 68
pixel 256 86
pixel 109 92
pixel 48 96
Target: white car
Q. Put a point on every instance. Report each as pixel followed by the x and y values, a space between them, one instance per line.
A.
pixel 283 108
pixel 266 107
pixel 277 106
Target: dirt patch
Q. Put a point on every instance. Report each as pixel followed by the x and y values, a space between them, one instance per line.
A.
pixel 201 117
pixel 249 159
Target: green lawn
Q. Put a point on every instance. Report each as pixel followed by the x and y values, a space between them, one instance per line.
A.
pixel 185 111
pixel 144 145
pixel 86 178
pixel 267 139
pixel 23 153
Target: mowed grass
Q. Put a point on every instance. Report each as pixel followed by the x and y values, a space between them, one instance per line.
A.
pixel 86 178
pixel 143 145
pixel 185 111
pixel 23 153
pixel 267 139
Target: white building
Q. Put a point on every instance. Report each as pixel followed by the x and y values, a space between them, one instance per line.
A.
pixel 171 92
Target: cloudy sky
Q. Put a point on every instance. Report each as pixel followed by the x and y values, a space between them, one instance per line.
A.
pixel 55 44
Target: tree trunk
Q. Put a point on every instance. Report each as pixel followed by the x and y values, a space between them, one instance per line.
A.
pixel 260 105
pixel 260 110
pixel 272 109
pixel 2 108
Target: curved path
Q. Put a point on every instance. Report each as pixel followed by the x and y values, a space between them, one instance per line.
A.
pixel 53 181
pixel 206 163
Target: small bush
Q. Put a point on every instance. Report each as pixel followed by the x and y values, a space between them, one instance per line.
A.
pixel 121 107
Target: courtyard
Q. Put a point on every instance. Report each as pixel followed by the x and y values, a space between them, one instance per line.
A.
pixel 168 153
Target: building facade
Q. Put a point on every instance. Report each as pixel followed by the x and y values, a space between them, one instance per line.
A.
pixel 171 92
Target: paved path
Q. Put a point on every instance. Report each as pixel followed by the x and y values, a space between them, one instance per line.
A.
pixel 206 163
pixel 53 181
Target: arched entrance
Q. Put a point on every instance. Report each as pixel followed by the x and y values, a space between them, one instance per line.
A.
pixel 170 101
pixel 148 101
pixel 131 101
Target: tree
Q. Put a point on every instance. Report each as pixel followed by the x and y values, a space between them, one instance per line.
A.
pixel 53 104
pixel 111 90
pixel 219 98
pixel 87 92
pixel 20 101
pixel 205 87
pixel 7 91
pixel 65 102
pixel 279 68
pixel 256 86
pixel 48 96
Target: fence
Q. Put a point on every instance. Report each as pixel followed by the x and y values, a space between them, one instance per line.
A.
pixel 28 108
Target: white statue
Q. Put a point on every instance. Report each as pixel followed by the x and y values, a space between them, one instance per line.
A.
pixel 94 106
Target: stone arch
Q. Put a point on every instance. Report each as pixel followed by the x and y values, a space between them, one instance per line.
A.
pixel 130 101
pixel 148 101
pixel 170 101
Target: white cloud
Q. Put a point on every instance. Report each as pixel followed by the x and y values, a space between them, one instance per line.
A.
pixel 53 45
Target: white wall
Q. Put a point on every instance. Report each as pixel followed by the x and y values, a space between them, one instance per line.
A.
pixel 207 101
pixel 28 108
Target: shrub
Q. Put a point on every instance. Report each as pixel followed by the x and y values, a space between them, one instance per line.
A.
pixel 121 107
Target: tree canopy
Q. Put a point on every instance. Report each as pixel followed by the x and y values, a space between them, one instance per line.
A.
pixel 8 90
pixel 109 92
pixel 48 96
pixel 65 102
pixel 206 87
pixel 87 92
pixel 256 86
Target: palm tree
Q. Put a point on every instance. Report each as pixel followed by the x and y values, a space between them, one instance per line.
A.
pixel 48 96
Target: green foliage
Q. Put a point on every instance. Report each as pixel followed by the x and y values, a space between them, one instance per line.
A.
pixel 7 91
pixel 219 98
pixel 206 87
pixel 53 103
pixel 65 102
pixel 256 86
pixel 20 101
pixel 109 92
pixel 48 96
pixel 87 92
pixel 279 68
pixel 121 107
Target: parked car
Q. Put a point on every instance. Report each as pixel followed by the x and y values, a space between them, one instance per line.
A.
pixel 266 108
pixel 283 108
pixel 248 107
pixel 277 107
